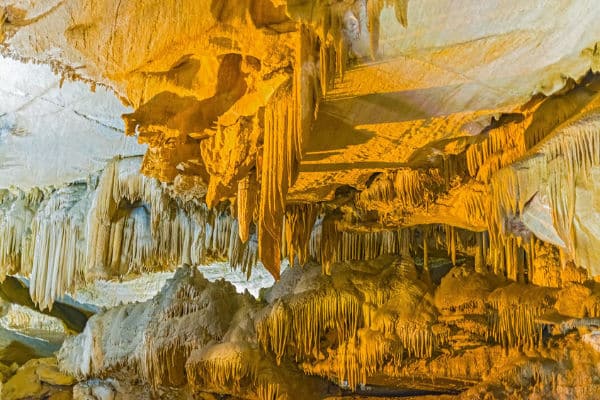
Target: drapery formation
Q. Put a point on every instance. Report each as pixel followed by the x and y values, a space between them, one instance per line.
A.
pixel 119 223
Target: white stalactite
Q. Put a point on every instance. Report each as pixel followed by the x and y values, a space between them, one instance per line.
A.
pixel 125 224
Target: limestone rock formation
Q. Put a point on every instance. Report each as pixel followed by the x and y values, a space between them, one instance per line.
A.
pixel 429 170
pixel 35 379
pixel 193 333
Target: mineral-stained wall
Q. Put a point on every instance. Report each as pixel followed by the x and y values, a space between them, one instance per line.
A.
pixel 429 168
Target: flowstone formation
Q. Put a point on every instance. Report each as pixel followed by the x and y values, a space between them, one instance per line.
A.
pixel 427 169
pixel 193 333
pixel 368 324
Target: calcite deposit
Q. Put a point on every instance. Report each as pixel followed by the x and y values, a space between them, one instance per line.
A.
pixel 418 178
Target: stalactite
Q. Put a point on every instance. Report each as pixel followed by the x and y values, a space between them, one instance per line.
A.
pixel 305 319
pixel 125 224
pixel 504 145
pixel 58 246
pixel 329 244
pixel 401 10
pixel 519 134
pixel 476 207
pixel 287 122
pixel 278 172
pixel 480 254
pixel 17 211
pixel 515 326
pixel 408 188
pixel 351 325
pixel 242 256
pixel 552 168
pixel 247 199
pixel 362 245
pixel 299 224
pixel 327 23
pixel 374 8
pixel 349 245
pixel 451 243
pixel 514 314
pixel 426 272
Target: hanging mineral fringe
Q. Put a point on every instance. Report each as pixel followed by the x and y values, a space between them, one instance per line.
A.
pixel 243 256
pixel 299 222
pixel 393 192
pixel 281 157
pixel 287 122
pixel 401 10
pixel 552 169
pixel 247 199
pixel 329 243
pixel 515 326
pixel 57 243
pixel 17 210
pixel 125 224
pixel 369 325
pixel 347 246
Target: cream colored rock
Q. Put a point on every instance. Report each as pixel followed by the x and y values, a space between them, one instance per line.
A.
pixel 48 372
pixel 103 392
pixel 82 391
pixel 25 383
pixel 55 133
pixel 35 379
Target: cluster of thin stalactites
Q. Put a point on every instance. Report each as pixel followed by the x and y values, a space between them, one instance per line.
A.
pixel 127 223
pixel 124 224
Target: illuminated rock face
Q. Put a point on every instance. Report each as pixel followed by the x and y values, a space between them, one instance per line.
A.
pixel 275 103
pixel 54 132
pixel 373 143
